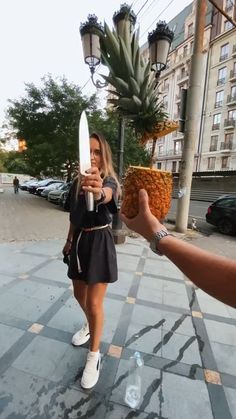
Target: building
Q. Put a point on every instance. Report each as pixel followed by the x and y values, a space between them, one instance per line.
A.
pixel 215 145
pixel 218 139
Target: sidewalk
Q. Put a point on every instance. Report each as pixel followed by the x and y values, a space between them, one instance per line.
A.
pixel 187 340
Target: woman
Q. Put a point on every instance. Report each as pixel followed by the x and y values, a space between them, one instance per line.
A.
pixel 92 251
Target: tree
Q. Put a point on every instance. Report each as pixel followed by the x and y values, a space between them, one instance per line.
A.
pixel 47 118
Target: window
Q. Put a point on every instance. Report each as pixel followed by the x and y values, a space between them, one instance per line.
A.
pixel 159 165
pixel 216 121
pixel 233 92
pixel 160 150
pixel 214 141
pixel 232 115
pixel 191 47
pixel 166 84
pixel 219 98
pixel 228 5
pixel 211 163
pixel 177 147
pixel 229 137
pixel 228 142
pixel 224 52
pixel 185 50
pixel 165 102
pixel 222 73
pixel 227 25
pixel 225 162
pixel 190 29
pixel 174 166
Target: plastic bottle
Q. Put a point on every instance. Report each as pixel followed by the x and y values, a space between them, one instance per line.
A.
pixel 133 386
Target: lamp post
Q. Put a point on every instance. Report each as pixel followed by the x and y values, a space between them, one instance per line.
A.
pixel 159 42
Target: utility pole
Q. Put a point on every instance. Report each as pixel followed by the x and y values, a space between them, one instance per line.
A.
pixel 193 115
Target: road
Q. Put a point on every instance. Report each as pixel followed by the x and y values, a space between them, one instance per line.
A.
pixel 26 217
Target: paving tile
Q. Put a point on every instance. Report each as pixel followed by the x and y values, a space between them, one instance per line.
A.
pixel 23 307
pixel 180 396
pixel 210 305
pixel 225 356
pixel 231 399
pixel 40 291
pixel 5 280
pixel 176 300
pixel 115 351
pixel 149 389
pixel 36 328
pixel 212 377
pixel 41 357
pixel 130 249
pixel 182 348
pixel 69 318
pixel 8 336
pixel 45 247
pixel 197 314
pixel 128 262
pixel 20 263
pixel 112 312
pixel 130 300
pixel 27 396
pixel 158 267
pixel 122 286
pixel 55 270
pixel 221 332
pixel 143 339
pixel 232 312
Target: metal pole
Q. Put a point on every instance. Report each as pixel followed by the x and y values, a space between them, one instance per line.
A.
pixel 121 134
pixel 193 117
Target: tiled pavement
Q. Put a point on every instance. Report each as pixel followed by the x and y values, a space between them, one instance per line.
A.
pixel 187 340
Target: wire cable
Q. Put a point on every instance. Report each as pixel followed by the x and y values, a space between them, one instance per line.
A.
pixel 157 17
pixel 144 4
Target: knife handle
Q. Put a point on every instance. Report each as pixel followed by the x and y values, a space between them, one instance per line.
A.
pixel 89 201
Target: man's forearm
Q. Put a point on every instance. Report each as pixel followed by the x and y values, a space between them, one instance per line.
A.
pixel 214 274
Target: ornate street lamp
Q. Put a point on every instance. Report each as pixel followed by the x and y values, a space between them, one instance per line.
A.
pixel 125 13
pixel 90 32
pixel 159 42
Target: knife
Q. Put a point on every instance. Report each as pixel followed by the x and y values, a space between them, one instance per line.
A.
pixel 84 156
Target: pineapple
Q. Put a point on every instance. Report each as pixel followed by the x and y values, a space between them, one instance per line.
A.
pixel 135 97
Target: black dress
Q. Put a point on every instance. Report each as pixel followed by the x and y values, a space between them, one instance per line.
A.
pixel 93 254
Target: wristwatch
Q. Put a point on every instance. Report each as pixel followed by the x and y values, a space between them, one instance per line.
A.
pixel 156 238
pixel 102 198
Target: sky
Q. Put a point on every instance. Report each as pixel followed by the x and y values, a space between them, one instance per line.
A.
pixel 38 37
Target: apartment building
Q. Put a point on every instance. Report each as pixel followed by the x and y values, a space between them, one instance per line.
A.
pixel 218 139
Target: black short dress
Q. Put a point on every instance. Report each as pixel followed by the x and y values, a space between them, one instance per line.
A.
pixel 93 254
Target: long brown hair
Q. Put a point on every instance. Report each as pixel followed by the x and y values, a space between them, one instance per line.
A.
pixel 107 168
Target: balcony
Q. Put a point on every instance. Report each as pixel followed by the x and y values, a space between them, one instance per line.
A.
pixel 213 147
pixel 232 75
pixel 228 7
pixel 231 99
pixel 218 104
pixel 221 81
pixel 215 126
pixel 182 77
pixel 234 51
pixel 227 145
pixel 224 57
pixel 229 123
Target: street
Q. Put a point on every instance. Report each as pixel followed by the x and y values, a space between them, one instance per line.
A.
pixel 26 217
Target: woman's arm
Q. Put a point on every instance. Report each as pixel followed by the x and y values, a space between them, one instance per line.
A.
pixel 67 247
pixel 212 273
pixel 94 183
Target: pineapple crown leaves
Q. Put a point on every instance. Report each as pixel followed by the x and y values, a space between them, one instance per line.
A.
pixel 135 96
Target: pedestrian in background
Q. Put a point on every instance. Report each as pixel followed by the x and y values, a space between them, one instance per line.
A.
pixel 91 249
pixel 16 184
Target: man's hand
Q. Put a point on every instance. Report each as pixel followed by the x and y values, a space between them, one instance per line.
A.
pixel 144 223
pixel 92 182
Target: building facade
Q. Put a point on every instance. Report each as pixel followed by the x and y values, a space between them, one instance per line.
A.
pixel 216 137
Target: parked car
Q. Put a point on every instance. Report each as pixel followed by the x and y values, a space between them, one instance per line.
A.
pixel 44 191
pixel 23 186
pixel 56 195
pixel 222 214
pixel 45 182
pixel 30 186
pixel 64 200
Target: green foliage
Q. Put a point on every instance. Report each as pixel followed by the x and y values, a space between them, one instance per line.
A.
pixel 47 118
pixel 13 162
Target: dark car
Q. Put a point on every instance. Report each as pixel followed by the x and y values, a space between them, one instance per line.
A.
pixel 64 200
pixel 45 182
pixel 222 213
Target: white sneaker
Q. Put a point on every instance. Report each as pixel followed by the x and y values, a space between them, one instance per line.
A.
pixel 82 336
pixel 91 371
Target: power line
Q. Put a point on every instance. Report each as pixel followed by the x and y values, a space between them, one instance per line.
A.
pixel 142 7
pixel 145 11
pixel 158 17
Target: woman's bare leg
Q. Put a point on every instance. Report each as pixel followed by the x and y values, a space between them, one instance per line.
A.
pixel 95 314
pixel 80 293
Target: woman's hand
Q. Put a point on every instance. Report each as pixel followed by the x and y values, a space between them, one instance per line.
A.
pixel 92 182
pixel 67 247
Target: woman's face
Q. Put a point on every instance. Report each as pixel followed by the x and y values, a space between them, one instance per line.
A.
pixel 95 153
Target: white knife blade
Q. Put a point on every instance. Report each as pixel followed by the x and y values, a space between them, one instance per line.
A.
pixel 84 155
